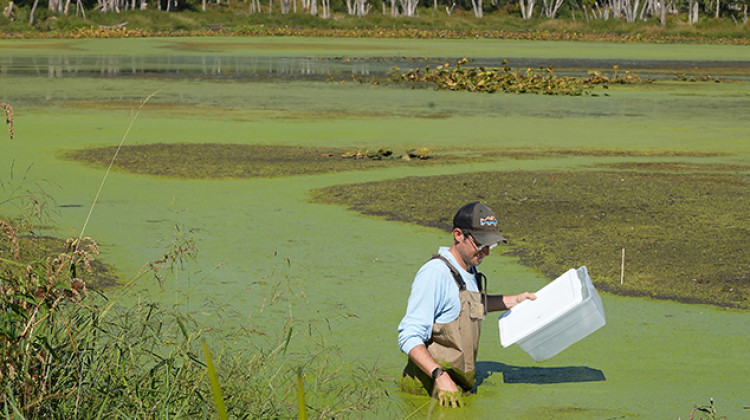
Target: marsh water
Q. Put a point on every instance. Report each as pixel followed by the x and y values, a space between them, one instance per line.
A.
pixel 347 276
pixel 272 68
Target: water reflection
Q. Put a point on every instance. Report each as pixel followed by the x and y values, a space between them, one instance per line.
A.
pixel 190 66
pixel 307 68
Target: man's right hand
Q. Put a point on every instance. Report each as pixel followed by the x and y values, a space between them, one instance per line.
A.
pixel 447 392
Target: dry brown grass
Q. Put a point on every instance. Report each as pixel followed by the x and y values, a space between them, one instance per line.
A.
pixel 8 118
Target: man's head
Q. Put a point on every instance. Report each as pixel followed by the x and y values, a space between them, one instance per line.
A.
pixel 475 233
pixel 480 222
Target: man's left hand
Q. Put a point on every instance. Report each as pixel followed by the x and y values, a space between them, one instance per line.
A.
pixel 513 300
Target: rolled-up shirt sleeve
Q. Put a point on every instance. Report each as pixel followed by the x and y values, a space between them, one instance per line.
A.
pixel 433 298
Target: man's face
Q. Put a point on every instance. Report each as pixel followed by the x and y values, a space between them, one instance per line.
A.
pixel 471 252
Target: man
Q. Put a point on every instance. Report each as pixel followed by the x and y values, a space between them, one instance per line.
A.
pixel 440 331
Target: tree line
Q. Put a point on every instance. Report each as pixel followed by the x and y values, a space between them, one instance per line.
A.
pixel 628 10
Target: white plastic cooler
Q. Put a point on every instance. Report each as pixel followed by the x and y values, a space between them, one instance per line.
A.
pixel 565 311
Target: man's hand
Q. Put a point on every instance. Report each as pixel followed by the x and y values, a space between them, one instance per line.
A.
pixel 448 393
pixel 450 399
pixel 513 300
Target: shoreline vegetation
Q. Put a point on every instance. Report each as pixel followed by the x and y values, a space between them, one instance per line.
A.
pixel 598 21
pixel 66 355
pixel 69 353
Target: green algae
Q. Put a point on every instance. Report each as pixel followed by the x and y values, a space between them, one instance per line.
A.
pixel 657 358
pixel 684 235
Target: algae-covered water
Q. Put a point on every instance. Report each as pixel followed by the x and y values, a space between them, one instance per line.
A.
pixel 352 273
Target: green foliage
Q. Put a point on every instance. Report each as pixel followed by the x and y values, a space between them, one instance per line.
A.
pixel 221 408
pixel 68 354
pixel 481 79
pixel 63 357
pixel 234 19
pixel 489 80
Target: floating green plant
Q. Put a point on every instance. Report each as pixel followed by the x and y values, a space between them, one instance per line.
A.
pixel 684 234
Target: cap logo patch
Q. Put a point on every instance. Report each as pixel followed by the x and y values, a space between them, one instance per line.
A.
pixel 488 221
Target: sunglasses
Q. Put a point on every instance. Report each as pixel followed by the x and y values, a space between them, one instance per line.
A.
pixel 477 245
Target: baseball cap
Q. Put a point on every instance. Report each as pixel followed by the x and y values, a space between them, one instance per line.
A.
pixel 478 220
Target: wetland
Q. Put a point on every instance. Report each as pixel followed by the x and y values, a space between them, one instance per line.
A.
pixel 260 169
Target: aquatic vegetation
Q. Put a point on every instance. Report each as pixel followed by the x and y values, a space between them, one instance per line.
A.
pixel 684 234
pixel 709 410
pixel 481 79
pixel 629 78
pixel 208 160
pixel 505 79
pixel 245 161
pixel 65 353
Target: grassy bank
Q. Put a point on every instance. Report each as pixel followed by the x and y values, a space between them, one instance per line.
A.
pixel 235 19
pixel 71 353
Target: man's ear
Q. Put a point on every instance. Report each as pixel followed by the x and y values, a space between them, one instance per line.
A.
pixel 458 235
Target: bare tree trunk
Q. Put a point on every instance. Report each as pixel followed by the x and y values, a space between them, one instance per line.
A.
pixel 693 12
pixel 477 6
pixel 409 7
pixel 631 10
pixel 363 8
pixel 663 4
pixel 33 9
pixel 550 7
pixel 8 11
pixel 527 8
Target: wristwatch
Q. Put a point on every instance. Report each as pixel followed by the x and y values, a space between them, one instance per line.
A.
pixel 437 372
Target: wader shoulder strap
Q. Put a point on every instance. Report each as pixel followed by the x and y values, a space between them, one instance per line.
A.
pixel 457 276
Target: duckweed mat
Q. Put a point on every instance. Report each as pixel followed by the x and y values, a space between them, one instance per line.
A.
pixel 684 235
pixel 247 161
pixel 209 161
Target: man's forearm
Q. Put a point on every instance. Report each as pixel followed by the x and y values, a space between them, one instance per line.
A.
pixel 504 302
pixel 422 358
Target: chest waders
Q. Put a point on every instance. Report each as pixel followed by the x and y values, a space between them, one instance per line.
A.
pixel 453 345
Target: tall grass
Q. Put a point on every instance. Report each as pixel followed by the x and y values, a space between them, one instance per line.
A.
pixel 67 352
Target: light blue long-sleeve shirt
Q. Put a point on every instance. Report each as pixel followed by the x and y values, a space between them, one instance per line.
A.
pixel 434 299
